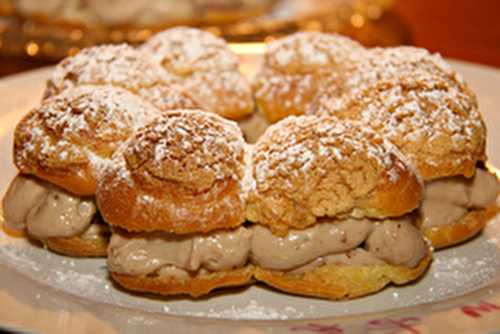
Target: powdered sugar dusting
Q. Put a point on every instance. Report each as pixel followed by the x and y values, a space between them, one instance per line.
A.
pixel 295 146
pixel 299 66
pixel 81 126
pixel 206 67
pixel 190 147
pixel 417 101
pixel 119 66
pixel 182 51
pixel 305 52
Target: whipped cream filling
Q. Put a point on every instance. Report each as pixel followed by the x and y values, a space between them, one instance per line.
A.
pixel 447 200
pixel 46 210
pixel 299 247
pixel 355 257
pixel 394 241
pixel 179 256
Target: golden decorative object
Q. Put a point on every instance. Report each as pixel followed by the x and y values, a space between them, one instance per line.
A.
pixel 46 31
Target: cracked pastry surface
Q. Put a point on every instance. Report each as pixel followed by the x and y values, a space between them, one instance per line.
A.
pixel 70 138
pixel 428 111
pixel 297 67
pixel 124 67
pixel 309 167
pixel 206 67
pixel 154 185
pixel 420 104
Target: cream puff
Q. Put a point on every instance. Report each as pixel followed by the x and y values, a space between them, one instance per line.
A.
pixel 297 67
pixel 333 206
pixel 206 67
pixel 428 111
pixel 60 149
pixel 175 199
pixel 124 67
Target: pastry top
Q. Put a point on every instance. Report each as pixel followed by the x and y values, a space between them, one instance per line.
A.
pixel 297 67
pixel 420 104
pixel 182 173
pixel 70 137
pixel 306 168
pixel 120 66
pixel 206 67
pixel 183 51
pixel 379 66
pixel 308 52
pixel 189 149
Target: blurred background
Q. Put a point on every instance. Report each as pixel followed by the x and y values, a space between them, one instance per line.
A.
pixel 35 33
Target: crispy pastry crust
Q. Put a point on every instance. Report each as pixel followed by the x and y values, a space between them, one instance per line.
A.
pixel 195 287
pixel 205 66
pixel 155 185
pixel 312 167
pixel 297 67
pixel 342 282
pixel 419 103
pixel 120 66
pixel 78 247
pixel 464 229
pixel 69 138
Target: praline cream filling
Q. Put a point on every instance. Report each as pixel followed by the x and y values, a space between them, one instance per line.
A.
pixel 395 242
pixel 45 210
pixel 447 200
pixel 178 256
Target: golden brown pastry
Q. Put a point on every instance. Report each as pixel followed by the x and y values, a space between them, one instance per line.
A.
pixel 297 67
pixel 177 188
pixel 70 138
pixel 332 202
pixel 426 109
pixel 124 67
pixel 206 67
pixel 67 141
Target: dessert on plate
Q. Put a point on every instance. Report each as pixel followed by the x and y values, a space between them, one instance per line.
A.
pixel 145 156
pixel 175 199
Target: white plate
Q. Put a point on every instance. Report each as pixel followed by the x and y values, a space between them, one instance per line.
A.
pixel 46 292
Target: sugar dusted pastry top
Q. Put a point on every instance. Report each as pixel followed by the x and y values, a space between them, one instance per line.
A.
pixel 183 51
pixel 420 104
pixel 182 173
pixel 297 67
pixel 120 66
pixel 308 52
pixel 306 168
pixel 206 67
pixel 190 149
pixel 70 137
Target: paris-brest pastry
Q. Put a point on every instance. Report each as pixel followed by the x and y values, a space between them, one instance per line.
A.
pixel 333 206
pixel 175 198
pixel 60 150
pixel 425 108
